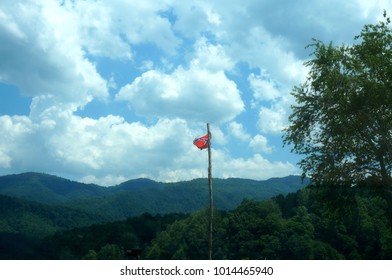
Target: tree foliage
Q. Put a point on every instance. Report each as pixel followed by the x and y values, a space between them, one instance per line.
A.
pixel 320 222
pixel 106 241
pixel 342 122
pixel 297 226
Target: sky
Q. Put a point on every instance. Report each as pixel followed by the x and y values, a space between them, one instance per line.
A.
pixel 107 91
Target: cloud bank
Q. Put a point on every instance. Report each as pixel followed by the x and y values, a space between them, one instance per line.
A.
pixel 119 89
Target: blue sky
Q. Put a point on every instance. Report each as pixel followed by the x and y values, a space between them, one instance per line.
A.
pixel 105 91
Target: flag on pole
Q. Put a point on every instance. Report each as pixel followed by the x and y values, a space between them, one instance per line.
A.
pixel 201 142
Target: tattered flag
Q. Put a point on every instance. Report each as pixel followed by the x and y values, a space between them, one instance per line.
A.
pixel 201 142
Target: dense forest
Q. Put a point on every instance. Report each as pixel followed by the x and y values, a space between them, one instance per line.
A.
pixel 308 222
pixel 135 197
pixel 36 206
pixel 312 223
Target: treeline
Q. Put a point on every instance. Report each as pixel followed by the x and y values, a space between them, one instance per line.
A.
pixel 138 196
pixel 313 223
pixel 18 216
pixel 24 223
pixel 115 240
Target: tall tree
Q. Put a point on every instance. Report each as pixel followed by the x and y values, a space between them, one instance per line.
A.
pixel 342 122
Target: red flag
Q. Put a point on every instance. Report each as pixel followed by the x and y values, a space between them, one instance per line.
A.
pixel 201 142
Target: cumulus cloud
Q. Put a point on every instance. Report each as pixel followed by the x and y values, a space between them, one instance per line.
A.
pixel 259 144
pixel 111 29
pixel 238 131
pixel 98 29
pixel 57 54
pixel 107 148
pixel 255 167
pixel 43 56
pixel 263 88
pixel 200 93
pixel 272 120
pixel 15 131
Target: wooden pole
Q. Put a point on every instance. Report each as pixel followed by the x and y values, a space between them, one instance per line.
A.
pixel 210 190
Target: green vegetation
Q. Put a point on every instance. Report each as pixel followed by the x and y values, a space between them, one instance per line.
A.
pixel 38 220
pixel 24 223
pixel 313 223
pixel 46 188
pixel 136 197
pixel 342 122
pixel 297 226
pixel 184 197
pixel 65 205
pixel 106 241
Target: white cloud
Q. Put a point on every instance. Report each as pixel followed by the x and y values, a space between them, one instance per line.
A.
pixel 263 88
pixel 108 180
pixel 143 23
pixel 190 94
pixel 238 131
pixel 195 19
pixel 52 53
pixel 14 131
pixel 260 144
pixel 256 167
pixel 210 57
pixel 200 93
pixel 109 150
pixel 5 160
pixel 374 8
pixel 110 29
pixel 43 55
pixel 273 116
pixel 99 30
pixel 272 120
pixel 218 137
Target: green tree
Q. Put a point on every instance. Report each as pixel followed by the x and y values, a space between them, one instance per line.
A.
pixel 110 252
pixel 188 239
pixel 342 122
pixel 91 255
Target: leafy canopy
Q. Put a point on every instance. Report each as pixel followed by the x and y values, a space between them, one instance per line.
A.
pixel 342 122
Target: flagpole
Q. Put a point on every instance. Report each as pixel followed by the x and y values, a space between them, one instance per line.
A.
pixel 210 190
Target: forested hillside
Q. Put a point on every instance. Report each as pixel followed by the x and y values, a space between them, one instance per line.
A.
pixel 37 220
pixel 184 197
pixel 47 188
pixel 39 205
pixel 313 223
pixel 135 197
pixel 24 223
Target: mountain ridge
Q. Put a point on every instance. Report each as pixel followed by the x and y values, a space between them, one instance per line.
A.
pixel 46 188
pixel 138 196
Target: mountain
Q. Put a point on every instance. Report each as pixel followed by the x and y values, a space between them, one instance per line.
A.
pixel 31 218
pixel 138 196
pixel 184 197
pixel 47 188
pixel 140 183
pixel 34 206
pixel 24 223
